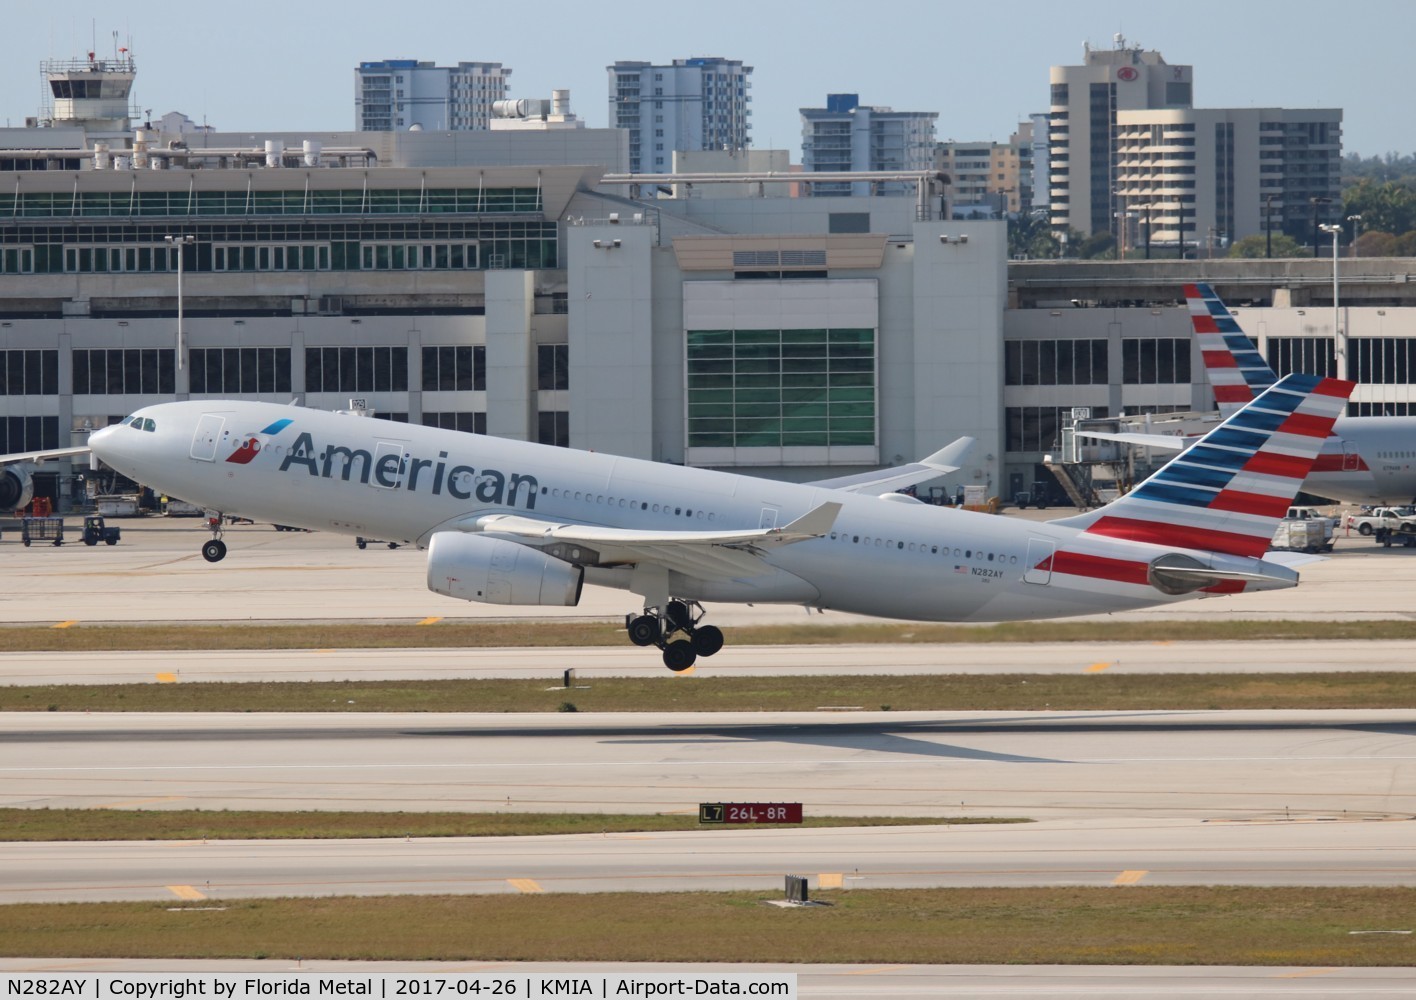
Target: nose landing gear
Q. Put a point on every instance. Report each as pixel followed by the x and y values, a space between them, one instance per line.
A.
pixel 214 550
pixel 675 630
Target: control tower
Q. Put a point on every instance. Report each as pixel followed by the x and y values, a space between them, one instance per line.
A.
pixel 92 94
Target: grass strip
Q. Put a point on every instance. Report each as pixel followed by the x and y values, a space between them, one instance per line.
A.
pixel 786 693
pixel 197 824
pixel 1044 926
pixel 491 634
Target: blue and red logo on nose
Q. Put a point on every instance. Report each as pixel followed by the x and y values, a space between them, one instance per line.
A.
pixel 251 444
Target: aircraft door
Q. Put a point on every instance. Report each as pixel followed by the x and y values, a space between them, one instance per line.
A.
pixel 769 519
pixel 207 436
pixel 1039 569
pixel 388 466
pixel 1351 457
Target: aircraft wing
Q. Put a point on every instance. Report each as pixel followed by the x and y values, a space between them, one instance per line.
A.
pixel 1161 442
pixel 43 456
pixel 944 461
pixel 709 555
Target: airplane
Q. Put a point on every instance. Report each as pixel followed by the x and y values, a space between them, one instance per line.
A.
pixel 510 522
pixel 1366 460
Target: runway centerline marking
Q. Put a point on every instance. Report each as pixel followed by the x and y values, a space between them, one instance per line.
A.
pixel 431 620
pixel 166 678
pixel 1130 877
pixel 66 624
pixel 1097 668
pixel 525 884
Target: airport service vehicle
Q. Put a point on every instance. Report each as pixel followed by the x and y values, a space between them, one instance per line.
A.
pixel 1296 534
pixel 1366 460
pixel 96 531
pixel 42 529
pixel 1377 518
pixel 1403 534
pixel 510 522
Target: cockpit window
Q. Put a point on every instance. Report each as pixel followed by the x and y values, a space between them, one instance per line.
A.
pixel 136 422
pixel 149 424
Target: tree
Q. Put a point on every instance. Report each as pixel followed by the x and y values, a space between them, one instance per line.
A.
pixel 1387 207
pixel 1098 246
pixel 1375 244
pixel 1257 246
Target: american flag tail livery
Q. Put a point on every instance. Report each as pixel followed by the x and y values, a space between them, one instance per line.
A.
pixel 1219 502
pixel 1237 371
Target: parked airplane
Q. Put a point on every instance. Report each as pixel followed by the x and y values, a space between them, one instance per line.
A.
pixel 1366 460
pixel 507 522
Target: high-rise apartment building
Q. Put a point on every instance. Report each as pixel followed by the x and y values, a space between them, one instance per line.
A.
pixel 987 179
pixel 395 94
pixel 1131 155
pixel 846 135
pixel 689 106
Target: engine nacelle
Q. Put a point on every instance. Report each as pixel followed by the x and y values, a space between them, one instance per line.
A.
pixel 16 487
pixel 474 567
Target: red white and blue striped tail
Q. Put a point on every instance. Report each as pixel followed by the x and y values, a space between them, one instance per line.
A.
pixel 1228 492
pixel 1237 371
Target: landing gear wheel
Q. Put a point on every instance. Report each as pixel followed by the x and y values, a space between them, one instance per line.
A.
pixel 706 640
pixel 644 630
pixel 214 550
pixel 679 614
pixel 679 656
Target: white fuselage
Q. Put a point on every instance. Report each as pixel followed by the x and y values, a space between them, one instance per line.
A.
pixel 402 482
pixel 1367 460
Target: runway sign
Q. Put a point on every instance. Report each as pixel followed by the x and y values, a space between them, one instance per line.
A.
pixel 749 812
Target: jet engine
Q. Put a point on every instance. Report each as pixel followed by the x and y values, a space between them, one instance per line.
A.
pixel 16 487
pixel 474 567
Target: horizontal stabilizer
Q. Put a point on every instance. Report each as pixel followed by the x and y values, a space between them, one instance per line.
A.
pixel 1161 442
pixel 948 459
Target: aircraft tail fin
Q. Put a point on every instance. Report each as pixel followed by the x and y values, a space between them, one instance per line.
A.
pixel 1237 371
pixel 1227 493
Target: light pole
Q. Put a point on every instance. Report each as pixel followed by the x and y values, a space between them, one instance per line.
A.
pixel 1339 338
pixel 1316 202
pixel 1356 221
pixel 180 242
pixel 1268 226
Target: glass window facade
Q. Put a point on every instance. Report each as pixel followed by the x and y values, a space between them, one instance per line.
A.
pixel 28 433
pixel 356 369
pixel 553 427
pixel 229 370
pixel 296 201
pixel 1056 362
pixel 454 369
pixel 1303 356
pixel 553 366
pixel 781 388
pixel 149 371
pixel 1155 361
pixel 457 420
pixel 29 373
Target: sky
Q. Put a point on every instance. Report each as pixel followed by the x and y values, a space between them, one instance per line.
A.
pixel 288 66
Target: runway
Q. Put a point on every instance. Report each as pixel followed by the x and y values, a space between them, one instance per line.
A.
pixel 887 659
pixel 156 573
pixel 1263 798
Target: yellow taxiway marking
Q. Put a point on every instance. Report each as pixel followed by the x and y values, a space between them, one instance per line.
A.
pixel 1097 668
pixel 1130 877
pixel 167 678
pixel 686 672
pixel 829 881
pixel 322 652
pixel 431 621
pixel 1305 974
pixel 525 884
pixel 185 892
pixel 74 621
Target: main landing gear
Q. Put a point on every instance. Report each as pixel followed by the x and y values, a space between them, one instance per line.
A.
pixel 676 631
pixel 214 550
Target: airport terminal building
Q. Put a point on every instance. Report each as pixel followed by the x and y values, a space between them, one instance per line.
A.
pixel 520 283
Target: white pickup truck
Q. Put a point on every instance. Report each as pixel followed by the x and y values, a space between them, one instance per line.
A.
pixel 1378 518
